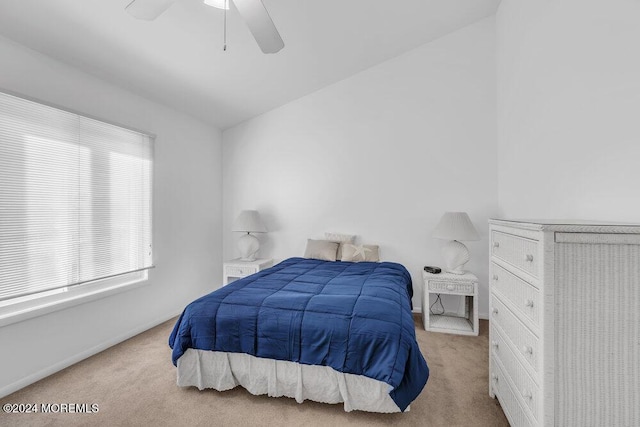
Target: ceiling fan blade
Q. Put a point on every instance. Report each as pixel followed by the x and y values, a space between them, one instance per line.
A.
pixel 148 9
pixel 257 18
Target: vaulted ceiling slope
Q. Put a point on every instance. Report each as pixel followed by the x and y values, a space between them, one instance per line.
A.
pixel 177 60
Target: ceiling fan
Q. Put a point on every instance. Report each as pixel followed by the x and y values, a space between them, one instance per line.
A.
pixel 253 12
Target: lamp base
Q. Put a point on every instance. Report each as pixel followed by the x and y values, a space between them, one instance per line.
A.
pixel 248 245
pixel 455 256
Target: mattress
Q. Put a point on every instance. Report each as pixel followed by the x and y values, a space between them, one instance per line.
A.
pixel 353 318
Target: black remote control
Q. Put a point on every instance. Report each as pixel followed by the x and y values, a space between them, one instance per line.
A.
pixel 432 270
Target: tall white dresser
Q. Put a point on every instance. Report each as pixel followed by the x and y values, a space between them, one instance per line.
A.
pixel 565 322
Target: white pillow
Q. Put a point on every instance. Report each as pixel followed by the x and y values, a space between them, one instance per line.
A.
pixel 357 253
pixel 321 249
pixel 341 239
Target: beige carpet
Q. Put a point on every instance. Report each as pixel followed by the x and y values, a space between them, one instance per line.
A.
pixel 134 384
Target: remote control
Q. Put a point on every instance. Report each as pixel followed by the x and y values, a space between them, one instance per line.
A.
pixel 432 270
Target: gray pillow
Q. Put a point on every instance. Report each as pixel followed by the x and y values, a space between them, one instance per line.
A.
pixel 321 249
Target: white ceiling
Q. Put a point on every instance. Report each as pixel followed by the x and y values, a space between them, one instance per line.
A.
pixel 178 59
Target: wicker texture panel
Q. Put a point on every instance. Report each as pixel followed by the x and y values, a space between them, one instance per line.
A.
pixel 520 295
pixel 598 335
pixel 519 335
pixel 450 322
pixel 240 271
pixel 517 251
pixel 464 288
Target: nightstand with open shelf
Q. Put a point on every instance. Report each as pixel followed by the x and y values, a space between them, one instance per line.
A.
pixel 463 285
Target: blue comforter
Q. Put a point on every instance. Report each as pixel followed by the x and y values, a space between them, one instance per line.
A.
pixel 353 317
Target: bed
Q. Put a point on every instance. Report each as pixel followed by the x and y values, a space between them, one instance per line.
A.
pixel 333 332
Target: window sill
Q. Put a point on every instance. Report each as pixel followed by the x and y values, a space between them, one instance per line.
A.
pixel 18 311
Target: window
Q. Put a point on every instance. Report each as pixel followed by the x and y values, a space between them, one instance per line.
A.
pixel 75 200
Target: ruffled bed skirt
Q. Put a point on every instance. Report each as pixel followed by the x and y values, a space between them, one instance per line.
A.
pixel 224 371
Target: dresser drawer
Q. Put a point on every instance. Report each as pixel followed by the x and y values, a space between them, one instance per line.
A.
pixel 239 270
pixel 523 297
pixel 517 333
pixel 445 286
pixel 525 387
pixel 517 251
pixel 510 405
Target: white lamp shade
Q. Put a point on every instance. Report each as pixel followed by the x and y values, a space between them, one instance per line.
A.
pixel 249 222
pixel 455 226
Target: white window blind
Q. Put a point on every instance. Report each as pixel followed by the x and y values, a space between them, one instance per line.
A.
pixel 75 199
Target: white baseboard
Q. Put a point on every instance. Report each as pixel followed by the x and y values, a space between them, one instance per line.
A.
pixel 43 373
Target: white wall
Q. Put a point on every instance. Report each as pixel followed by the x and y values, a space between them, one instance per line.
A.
pixel 381 154
pixel 569 109
pixel 187 221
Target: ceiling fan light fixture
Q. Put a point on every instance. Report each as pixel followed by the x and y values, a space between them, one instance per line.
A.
pixel 253 12
pixel 220 4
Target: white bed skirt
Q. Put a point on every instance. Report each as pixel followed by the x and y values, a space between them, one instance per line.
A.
pixel 224 371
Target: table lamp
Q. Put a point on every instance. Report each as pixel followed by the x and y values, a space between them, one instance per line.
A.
pixel 248 222
pixel 455 226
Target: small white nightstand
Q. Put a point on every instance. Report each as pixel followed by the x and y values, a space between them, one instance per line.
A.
pixel 237 269
pixel 464 285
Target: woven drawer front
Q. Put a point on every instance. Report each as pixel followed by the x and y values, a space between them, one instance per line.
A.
pixel 240 270
pixel 524 385
pixel 515 413
pixel 517 251
pixel 444 286
pixel 519 335
pixel 523 297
